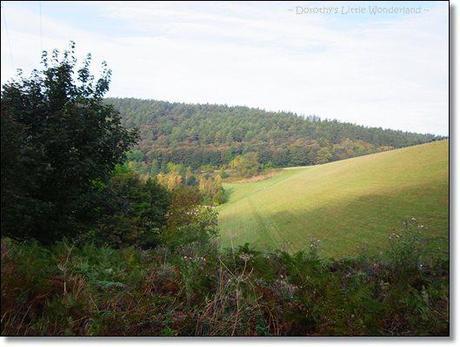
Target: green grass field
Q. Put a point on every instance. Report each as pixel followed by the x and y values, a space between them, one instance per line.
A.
pixel 351 205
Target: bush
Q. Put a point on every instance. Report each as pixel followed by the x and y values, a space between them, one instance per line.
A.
pixel 132 211
pixel 187 220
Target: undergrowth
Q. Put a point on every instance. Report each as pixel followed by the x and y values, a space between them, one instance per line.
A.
pixel 198 289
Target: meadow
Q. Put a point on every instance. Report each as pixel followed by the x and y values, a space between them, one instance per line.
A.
pixel 349 207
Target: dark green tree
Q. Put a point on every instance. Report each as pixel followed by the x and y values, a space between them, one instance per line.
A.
pixel 66 142
pixel 133 211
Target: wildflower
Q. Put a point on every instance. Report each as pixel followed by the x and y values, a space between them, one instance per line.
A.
pixel 315 243
pixel 393 236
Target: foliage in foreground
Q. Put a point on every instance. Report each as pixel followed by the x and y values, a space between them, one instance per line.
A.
pixel 59 143
pixel 196 289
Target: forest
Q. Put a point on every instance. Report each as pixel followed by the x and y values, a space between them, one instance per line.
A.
pixel 197 135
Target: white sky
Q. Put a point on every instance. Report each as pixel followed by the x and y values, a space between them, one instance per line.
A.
pixel 377 70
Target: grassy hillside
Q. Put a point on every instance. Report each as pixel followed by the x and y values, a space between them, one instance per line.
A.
pixel 349 205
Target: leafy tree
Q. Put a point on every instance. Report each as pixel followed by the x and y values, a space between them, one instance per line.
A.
pixel 187 220
pixel 13 172
pixel 133 211
pixel 324 155
pixel 211 189
pixel 154 168
pixel 190 178
pixel 68 142
pixel 135 155
pixel 170 180
pixel 246 165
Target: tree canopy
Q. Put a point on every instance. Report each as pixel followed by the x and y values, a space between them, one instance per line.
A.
pixel 204 134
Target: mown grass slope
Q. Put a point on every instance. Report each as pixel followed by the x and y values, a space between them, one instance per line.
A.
pixel 350 205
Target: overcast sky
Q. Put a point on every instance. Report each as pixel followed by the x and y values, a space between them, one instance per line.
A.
pixel 370 68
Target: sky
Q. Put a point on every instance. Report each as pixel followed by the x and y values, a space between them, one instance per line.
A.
pixel 381 64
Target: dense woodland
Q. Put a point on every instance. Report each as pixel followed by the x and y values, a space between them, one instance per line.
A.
pixel 92 247
pixel 195 135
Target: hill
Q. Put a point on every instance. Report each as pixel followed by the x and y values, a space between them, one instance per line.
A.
pixel 203 134
pixel 347 205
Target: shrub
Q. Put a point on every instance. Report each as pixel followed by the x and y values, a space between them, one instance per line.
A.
pixel 132 210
